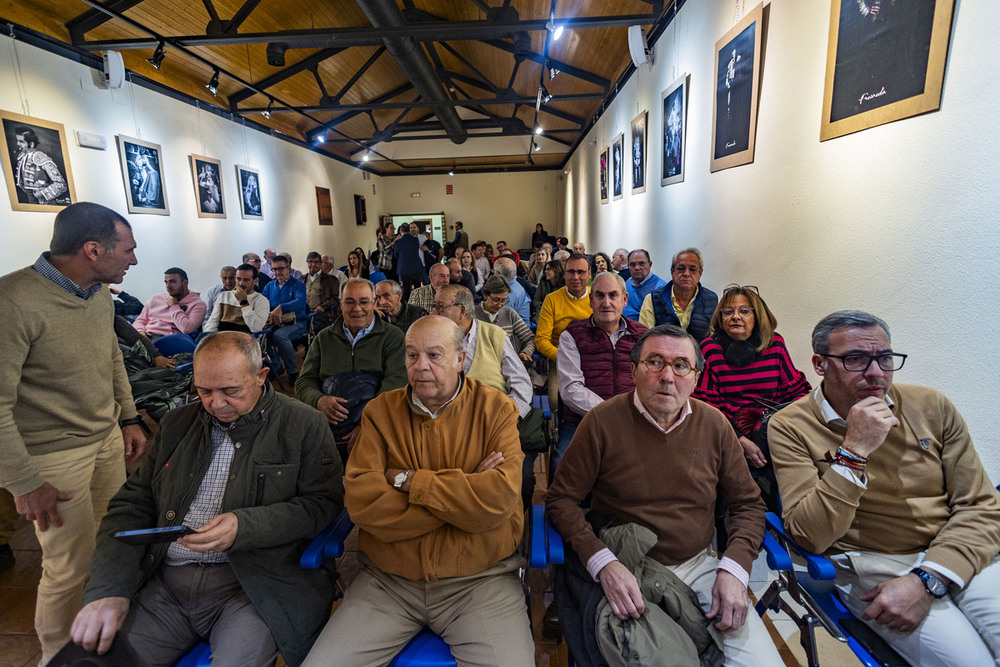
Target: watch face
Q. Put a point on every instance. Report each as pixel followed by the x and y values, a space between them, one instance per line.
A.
pixel 934 585
pixel 398 480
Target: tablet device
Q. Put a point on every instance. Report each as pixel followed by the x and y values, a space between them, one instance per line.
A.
pixel 153 535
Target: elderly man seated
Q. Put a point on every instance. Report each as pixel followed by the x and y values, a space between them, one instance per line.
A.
pixel 654 459
pixel 433 486
pixel 885 479
pixel 389 304
pixel 255 475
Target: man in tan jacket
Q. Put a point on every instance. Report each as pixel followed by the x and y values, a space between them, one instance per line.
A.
pixel 433 484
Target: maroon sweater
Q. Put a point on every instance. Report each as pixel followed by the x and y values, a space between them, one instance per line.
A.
pixel 668 483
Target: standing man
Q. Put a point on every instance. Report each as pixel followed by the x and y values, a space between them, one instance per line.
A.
pixel 885 480
pixel 389 304
pixel 642 281
pixel 433 488
pixel 461 236
pixel 228 277
pixel 322 293
pixel 36 175
pixel 423 297
pixel 241 309
pixel 605 340
pixel 658 459
pixel 683 302
pixel 178 310
pixel 67 421
pixel 287 298
pixel 409 266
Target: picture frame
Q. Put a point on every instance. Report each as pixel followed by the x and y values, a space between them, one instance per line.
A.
pixel 674 105
pixel 617 166
pixel 142 171
pixel 36 164
pixel 604 175
pixel 885 62
pixel 638 152
pixel 737 86
pixel 206 174
pixel 248 181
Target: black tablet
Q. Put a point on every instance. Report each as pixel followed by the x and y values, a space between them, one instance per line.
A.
pixel 153 535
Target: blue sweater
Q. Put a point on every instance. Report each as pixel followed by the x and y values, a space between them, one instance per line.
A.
pixel 636 295
pixel 291 297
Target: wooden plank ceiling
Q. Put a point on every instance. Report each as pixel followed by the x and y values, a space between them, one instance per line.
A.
pixel 334 79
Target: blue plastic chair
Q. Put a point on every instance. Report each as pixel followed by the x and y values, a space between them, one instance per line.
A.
pixel 173 344
pixel 376 277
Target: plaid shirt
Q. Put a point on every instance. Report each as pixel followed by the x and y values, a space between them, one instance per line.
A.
pixel 44 267
pixel 207 503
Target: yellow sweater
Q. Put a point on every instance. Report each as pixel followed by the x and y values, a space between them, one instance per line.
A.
pixel 559 310
pixel 926 489
pixel 454 522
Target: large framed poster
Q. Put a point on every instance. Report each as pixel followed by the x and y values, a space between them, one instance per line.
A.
pixel 616 166
pixel 885 61
pixel 604 175
pixel 142 169
pixel 737 69
pixel 207 175
pixel 639 153
pixel 36 164
pixel 674 106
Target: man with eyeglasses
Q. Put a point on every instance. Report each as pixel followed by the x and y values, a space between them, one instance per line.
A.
pixel 356 341
pixel 561 308
pixel 642 281
pixel 263 279
pixel 653 461
pixel 684 301
pixel 884 479
pixel 287 298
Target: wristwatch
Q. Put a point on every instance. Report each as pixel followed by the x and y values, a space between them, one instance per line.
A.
pixel 933 584
pixel 400 479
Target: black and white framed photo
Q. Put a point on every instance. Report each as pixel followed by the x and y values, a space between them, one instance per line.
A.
pixel 674 105
pixel 248 180
pixel 207 175
pixel 737 68
pixel 885 61
pixel 145 191
pixel 638 161
pixel 604 175
pixel 36 164
pixel 616 165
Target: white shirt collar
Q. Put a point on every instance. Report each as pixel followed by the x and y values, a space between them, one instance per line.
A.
pixel 685 411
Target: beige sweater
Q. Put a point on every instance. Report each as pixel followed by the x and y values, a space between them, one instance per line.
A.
pixel 62 381
pixel 926 489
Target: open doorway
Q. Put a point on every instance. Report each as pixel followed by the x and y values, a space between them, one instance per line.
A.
pixel 433 221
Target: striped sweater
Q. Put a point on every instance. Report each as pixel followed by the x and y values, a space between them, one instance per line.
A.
pixel 771 376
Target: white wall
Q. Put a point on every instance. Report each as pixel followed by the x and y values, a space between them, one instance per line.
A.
pixel 62 91
pixel 492 207
pixel 899 220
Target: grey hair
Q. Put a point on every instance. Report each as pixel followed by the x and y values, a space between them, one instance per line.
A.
pixel 504 267
pixel 843 319
pixel 608 274
pixel 643 251
pixel 495 285
pixel 246 344
pixel 357 281
pixel 463 297
pixel 673 331
pixel 693 251
pixel 228 268
pixel 286 255
pixel 622 251
pixel 561 255
pixel 396 287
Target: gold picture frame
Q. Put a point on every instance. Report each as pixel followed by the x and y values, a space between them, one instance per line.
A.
pixel 737 87
pixel 885 62
pixel 43 180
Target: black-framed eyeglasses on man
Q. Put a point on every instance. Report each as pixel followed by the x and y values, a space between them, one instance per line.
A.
pixel 859 363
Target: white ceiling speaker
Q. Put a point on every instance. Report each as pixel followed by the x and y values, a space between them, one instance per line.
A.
pixel 114 69
pixel 637 46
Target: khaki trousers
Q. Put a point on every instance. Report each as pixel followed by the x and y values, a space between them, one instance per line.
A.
pixel 482 618
pixel 91 475
pixel 961 629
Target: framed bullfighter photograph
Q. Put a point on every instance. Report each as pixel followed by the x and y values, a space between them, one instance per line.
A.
pixel 207 175
pixel 737 70
pixel 142 170
pixel 639 153
pixel 604 175
pixel 616 166
pixel 674 106
pixel 885 61
pixel 36 164
pixel 248 180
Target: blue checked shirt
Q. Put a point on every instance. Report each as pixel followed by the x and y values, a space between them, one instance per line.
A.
pixel 44 267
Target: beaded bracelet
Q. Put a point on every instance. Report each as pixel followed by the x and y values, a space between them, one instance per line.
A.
pixel 852 464
pixel 844 452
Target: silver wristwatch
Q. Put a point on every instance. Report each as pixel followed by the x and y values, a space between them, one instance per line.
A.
pixel 400 479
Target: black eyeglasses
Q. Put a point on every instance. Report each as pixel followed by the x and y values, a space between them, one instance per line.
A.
pixel 858 363
pixel 752 288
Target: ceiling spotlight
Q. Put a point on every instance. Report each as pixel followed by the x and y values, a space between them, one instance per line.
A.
pixel 552 73
pixel 451 172
pixel 546 95
pixel 556 30
pixel 366 156
pixel 321 137
pixel 213 85
pixel 538 129
pixel 267 113
pixel 536 146
pixel 158 57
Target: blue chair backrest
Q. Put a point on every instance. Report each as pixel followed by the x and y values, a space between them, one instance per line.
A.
pixel 173 344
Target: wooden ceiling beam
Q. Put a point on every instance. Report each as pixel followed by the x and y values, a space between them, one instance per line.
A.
pixel 368 36
pixel 376 105
pixel 90 19
pixel 240 16
pixel 305 64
